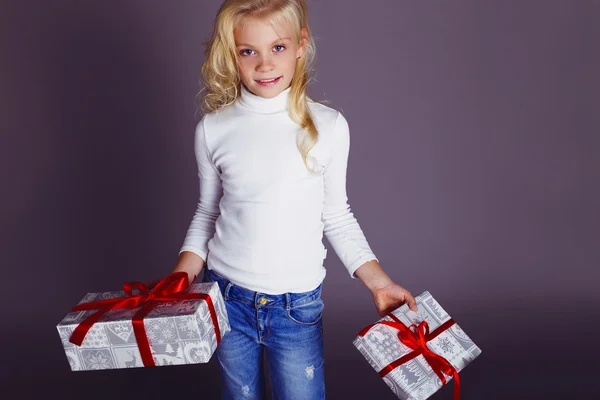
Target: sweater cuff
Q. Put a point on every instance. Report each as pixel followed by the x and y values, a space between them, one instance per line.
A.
pixel 195 250
pixel 354 266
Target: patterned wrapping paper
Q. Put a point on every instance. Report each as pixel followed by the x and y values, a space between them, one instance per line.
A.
pixel 415 380
pixel 179 332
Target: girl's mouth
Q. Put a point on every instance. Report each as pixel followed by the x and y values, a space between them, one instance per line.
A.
pixel 267 82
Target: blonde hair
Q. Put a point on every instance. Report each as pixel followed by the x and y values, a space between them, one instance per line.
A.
pixel 222 83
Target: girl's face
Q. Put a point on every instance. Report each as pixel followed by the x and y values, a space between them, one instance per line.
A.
pixel 266 53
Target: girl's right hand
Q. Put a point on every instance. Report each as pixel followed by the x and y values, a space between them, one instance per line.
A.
pixel 188 262
pixel 151 284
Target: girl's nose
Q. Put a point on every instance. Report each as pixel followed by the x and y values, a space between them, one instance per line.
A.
pixel 265 65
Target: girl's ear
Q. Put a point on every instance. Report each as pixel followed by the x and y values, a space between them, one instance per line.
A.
pixel 303 42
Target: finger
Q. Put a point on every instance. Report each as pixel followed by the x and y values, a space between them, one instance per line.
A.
pixel 412 303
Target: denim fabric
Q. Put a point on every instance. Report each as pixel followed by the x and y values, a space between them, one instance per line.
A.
pixel 287 327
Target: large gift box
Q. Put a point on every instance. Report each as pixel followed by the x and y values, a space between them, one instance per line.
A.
pixel 170 325
pixel 416 353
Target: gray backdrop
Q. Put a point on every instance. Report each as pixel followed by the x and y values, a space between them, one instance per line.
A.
pixel 473 171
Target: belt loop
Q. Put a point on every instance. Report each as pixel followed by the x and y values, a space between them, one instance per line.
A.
pixel 287 301
pixel 227 289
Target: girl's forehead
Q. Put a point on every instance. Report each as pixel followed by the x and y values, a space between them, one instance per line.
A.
pixel 254 31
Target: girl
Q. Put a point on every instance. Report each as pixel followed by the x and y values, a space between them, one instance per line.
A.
pixel 272 168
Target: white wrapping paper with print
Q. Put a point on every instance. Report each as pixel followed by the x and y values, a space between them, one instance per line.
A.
pixel 179 332
pixel 415 379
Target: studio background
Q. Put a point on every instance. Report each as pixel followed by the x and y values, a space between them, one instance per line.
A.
pixel 473 172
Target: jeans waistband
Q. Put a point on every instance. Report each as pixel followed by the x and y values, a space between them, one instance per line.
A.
pixel 239 293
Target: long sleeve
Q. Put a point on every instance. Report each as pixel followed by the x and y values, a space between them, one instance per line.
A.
pixel 340 226
pixel 202 227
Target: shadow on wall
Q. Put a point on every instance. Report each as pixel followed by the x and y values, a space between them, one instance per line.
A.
pixel 99 156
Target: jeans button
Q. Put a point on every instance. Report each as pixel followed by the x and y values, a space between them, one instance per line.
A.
pixel 263 301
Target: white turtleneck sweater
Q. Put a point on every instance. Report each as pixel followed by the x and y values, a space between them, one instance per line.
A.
pixel 261 215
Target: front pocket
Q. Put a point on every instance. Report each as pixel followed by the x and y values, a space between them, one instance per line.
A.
pixel 308 313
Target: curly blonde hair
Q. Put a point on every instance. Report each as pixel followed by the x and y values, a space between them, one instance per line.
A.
pixel 220 76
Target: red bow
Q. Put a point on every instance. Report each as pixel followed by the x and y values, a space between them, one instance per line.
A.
pixel 170 288
pixel 417 340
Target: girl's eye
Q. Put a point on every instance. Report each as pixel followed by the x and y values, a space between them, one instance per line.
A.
pixel 243 52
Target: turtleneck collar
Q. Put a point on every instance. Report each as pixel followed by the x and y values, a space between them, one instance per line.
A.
pixel 263 105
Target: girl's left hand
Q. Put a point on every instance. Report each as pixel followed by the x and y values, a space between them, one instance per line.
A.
pixel 390 297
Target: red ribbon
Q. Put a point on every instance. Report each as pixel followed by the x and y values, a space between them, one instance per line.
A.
pixel 417 340
pixel 170 288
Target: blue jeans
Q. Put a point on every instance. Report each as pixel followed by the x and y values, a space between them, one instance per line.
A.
pixel 287 327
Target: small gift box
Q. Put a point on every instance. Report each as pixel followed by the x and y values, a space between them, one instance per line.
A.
pixel 171 324
pixel 417 353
